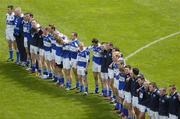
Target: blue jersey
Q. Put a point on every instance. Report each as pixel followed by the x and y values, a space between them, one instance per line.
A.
pixel 53 42
pixel 59 50
pixel 66 51
pixel 122 79
pixel 47 42
pixel 83 58
pixel 26 29
pixel 18 29
pixel 97 57
pixel 74 47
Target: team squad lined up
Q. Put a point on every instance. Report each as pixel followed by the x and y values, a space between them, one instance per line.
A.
pixel 52 55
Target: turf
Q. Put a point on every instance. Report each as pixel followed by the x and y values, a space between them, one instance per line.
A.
pixel 129 24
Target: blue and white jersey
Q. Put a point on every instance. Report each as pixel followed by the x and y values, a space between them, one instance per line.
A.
pixel 74 47
pixel 27 29
pixel 122 82
pixel 66 51
pixel 53 42
pixel 97 57
pixel 10 22
pixel 82 58
pixel 116 71
pixel 47 42
pixel 59 50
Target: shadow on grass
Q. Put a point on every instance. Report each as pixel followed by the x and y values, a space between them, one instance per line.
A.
pixel 97 107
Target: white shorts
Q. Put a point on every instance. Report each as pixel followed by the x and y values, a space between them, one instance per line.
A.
pixel 74 63
pixel 53 54
pixel 163 117
pixel 110 73
pixel 58 59
pixel 104 76
pixel 47 55
pixel 127 97
pixel 121 93
pixel 135 102
pixel 96 67
pixel 154 115
pixel 66 63
pixel 41 52
pixel 116 83
pixel 142 108
pixel 81 71
pixel 25 42
pixel 33 49
pixel 9 35
pixel 171 116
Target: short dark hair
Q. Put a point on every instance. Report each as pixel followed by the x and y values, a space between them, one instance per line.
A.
pixel 75 34
pixel 128 66
pixel 94 40
pixel 110 44
pixel 26 13
pixel 52 27
pixel 116 49
pixel 31 15
pixel 10 6
pixel 136 71
pixel 141 76
pixel 173 86
pixel 153 84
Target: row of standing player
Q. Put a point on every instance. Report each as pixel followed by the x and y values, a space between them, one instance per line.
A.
pixel 52 55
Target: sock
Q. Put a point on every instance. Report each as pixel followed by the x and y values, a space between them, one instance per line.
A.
pixel 120 107
pixel 77 84
pixel 39 70
pixel 62 80
pixel 56 78
pixel 125 112
pixel 96 89
pixel 45 71
pixel 110 92
pixel 67 83
pixel 50 74
pixel 27 62
pixel 114 96
pixel 17 56
pixel 33 67
pixel 81 88
pixel 117 105
pixel 104 91
pixel 11 54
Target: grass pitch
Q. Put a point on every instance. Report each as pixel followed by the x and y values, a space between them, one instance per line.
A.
pixel 129 24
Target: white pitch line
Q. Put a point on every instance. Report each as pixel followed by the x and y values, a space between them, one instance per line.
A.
pixel 150 44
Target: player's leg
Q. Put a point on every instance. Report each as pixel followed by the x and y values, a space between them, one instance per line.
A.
pixel 142 112
pixel 84 77
pixel 17 51
pixel 75 76
pixel 79 72
pixel 10 46
pixel 40 62
pixel 53 64
pixel 33 58
pixel 67 70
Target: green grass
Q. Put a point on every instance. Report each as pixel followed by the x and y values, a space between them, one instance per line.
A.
pixel 129 24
